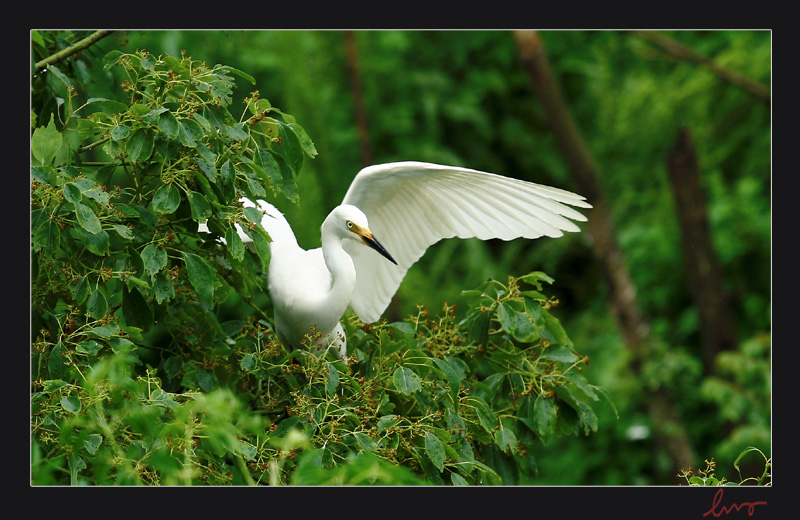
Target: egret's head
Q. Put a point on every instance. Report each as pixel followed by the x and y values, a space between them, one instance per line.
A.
pixel 352 223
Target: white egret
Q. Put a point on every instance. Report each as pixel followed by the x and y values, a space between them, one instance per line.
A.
pixel 409 206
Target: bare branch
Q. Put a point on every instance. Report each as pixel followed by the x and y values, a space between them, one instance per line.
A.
pixel 72 49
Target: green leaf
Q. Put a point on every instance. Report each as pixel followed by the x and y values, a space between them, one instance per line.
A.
pixel 588 417
pixel 46 142
pixel 523 328
pixel 580 381
pixel 173 366
pixel 47 236
pixel 111 58
pixel 162 287
pixel 92 443
pixel 87 219
pixel 135 310
pixel 545 415
pixel 140 144
pixel 479 328
pixel 269 170
pixel 261 244
pixel 206 167
pixel 206 379
pixel 458 480
pixel 152 116
pixel 154 258
pixel 89 346
pixel 253 215
pixel 189 132
pixel 239 73
pixel 53 385
pixel 59 82
pixel 365 441
pixel 602 391
pixel 97 306
pixel 123 231
pixel 506 440
pixel 200 207
pixel 71 404
pixel 560 354
pixel 304 139
pixel 92 190
pixel 201 276
pixel 55 363
pixel 97 243
pixel 485 415
pixel 333 379
pixel 166 199
pixel 135 280
pixel 120 132
pixel 258 106
pixel 76 464
pixel 585 413
pixel 435 451
pixel 536 277
pixel 449 372
pixel 507 317
pixel 72 193
pixel 110 105
pixel 239 131
pixel 234 244
pixel 228 173
pixel 406 380
pixel 289 147
pixel 525 412
pixel 248 363
pixel 168 124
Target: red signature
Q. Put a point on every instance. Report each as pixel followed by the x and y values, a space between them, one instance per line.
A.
pixel 717 510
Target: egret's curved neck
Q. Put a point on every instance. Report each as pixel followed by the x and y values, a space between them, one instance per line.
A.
pixel 343 272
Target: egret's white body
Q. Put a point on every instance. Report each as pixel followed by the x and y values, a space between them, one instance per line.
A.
pixel 409 206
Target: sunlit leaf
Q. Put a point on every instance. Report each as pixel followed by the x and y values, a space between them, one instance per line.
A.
pixel 46 142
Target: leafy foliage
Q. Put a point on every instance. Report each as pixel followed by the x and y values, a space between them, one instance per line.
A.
pixel 138 378
pixel 709 477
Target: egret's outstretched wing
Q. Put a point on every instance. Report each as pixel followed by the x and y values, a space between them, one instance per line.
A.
pixel 412 205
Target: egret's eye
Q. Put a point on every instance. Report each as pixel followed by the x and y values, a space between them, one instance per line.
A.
pixel 350 224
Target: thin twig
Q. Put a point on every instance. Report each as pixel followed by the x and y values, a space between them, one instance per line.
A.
pixel 72 49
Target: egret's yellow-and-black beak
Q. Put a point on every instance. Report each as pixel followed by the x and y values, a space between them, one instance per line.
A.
pixel 366 236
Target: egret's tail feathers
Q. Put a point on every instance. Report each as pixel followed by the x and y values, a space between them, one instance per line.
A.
pixel 273 222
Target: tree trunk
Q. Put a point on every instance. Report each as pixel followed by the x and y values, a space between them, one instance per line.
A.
pixel 362 123
pixel 717 331
pixel 669 431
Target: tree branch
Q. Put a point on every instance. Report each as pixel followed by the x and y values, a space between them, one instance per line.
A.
pixel 681 51
pixel 72 49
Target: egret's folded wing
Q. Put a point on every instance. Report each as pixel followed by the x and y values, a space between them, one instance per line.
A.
pixel 412 205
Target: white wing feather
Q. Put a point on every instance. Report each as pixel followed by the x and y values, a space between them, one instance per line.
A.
pixel 412 205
